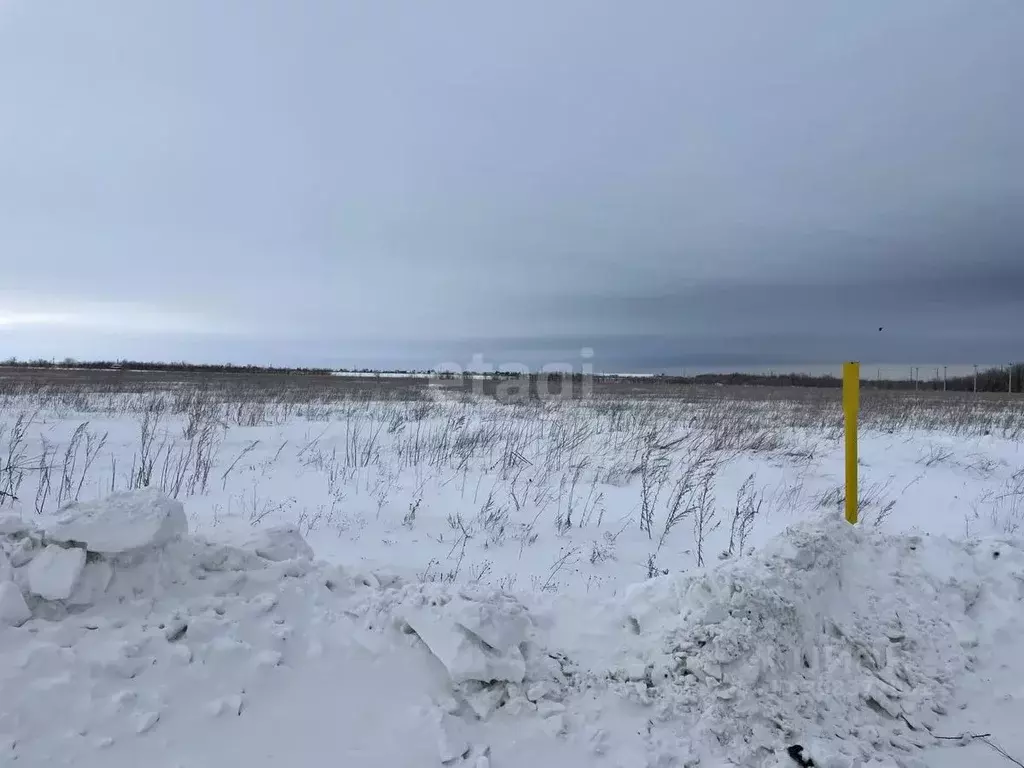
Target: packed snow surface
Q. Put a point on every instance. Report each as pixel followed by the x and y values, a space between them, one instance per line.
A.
pixel 124 640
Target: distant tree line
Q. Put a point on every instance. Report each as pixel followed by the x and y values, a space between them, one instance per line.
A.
pixel 988 380
pixel 138 365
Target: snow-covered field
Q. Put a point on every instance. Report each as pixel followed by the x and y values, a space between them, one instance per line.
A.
pixel 451 580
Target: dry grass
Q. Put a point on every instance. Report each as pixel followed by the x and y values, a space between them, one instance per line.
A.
pixel 529 467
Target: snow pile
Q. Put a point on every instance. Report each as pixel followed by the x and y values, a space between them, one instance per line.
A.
pixel 123 523
pixel 108 644
pixel 491 650
pixel 71 564
pixel 279 543
pixel 836 640
pixel 834 643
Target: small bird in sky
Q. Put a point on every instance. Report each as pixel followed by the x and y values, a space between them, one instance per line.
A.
pixel 879 327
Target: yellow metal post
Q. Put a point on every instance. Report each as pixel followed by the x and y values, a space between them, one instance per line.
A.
pixel 851 405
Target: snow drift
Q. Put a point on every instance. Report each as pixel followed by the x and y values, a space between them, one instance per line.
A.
pixel 833 643
pixel 843 641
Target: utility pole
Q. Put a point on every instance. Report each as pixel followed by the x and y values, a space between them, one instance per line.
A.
pixel 1009 378
pixel 917 377
pixel 936 377
pixel 944 378
pixel 975 378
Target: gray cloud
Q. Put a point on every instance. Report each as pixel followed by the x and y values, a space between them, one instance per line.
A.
pixel 404 184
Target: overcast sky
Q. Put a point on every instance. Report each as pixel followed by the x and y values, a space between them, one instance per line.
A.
pixel 671 183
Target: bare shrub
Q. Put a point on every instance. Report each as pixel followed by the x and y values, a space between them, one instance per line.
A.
pixel 200 410
pixel 690 494
pixel 67 475
pixel 47 455
pixel 257 508
pixel 146 458
pixel 493 520
pixel 745 513
pixel 601 551
pixel 409 520
pixel 567 557
pixel 654 468
pixel 935 454
pixel 1007 505
pixel 94 443
pixel 15 464
pixel 245 451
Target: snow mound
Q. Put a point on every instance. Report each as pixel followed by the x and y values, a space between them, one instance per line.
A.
pixel 108 648
pixel 493 654
pixel 122 523
pixel 834 638
pixel 121 548
pixel 283 542
pixel 835 644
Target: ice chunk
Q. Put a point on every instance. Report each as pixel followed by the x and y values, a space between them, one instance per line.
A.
pixel 13 610
pixel 145 722
pixel 452 741
pixel 54 573
pixel 463 654
pixel 542 690
pixel 23 552
pixel 282 542
pixel 485 700
pixel 13 524
pixel 123 522
pixel 96 577
pixel 502 626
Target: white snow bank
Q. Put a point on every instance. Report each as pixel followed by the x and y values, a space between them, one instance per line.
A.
pixel 841 641
pixel 835 638
pixel 124 522
pixel 120 646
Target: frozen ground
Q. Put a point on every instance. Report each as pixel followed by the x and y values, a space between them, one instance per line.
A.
pixel 457 581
